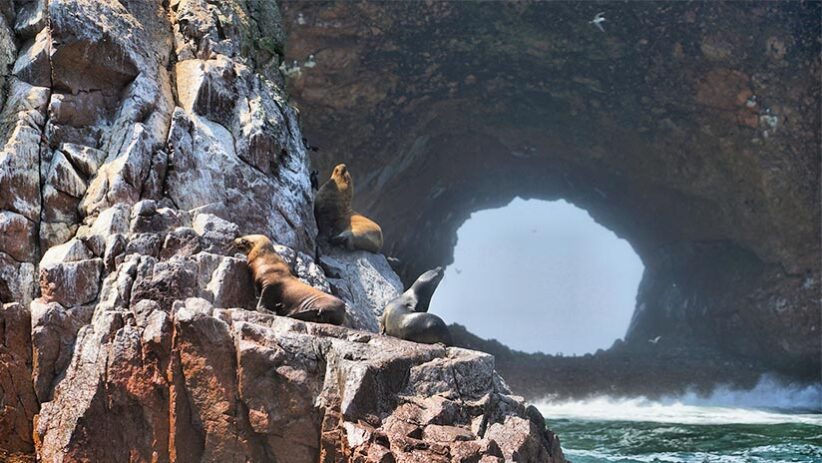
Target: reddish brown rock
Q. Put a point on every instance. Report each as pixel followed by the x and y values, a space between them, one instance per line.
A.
pixel 53 332
pixel 19 404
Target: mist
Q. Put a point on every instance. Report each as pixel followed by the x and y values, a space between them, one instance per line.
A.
pixel 540 276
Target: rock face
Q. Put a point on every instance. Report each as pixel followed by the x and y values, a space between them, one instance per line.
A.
pixel 689 129
pixel 139 139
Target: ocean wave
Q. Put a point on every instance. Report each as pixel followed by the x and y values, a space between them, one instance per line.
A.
pixel 770 402
pixel 769 393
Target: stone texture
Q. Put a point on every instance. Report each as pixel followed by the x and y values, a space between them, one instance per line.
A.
pixel 87 159
pixel 16 236
pixel 17 280
pixel 33 64
pixel 364 281
pixel 19 404
pixel 53 332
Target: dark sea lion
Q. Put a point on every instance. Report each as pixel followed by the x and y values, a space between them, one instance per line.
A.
pixel 406 317
pixel 283 293
pixel 337 222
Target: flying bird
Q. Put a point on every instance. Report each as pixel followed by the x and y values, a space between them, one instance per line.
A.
pixel 655 340
pixel 598 20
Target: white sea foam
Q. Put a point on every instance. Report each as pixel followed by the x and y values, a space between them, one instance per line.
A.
pixel 768 403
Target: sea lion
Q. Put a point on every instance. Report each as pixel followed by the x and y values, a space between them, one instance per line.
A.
pixel 406 317
pixel 337 222
pixel 282 292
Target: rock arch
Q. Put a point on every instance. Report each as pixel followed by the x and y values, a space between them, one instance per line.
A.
pixel 678 128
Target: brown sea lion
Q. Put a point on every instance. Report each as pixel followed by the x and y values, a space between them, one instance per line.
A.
pixel 337 222
pixel 283 293
pixel 406 317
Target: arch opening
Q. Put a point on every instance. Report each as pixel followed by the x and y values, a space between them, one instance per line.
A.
pixel 540 276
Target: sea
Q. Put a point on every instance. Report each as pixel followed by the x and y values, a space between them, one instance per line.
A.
pixel 770 423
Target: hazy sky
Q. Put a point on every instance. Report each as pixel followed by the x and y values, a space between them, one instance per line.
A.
pixel 540 276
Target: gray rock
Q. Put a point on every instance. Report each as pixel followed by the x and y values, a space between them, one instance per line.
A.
pixel 215 230
pixel 364 281
pixel 32 64
pixel 87 159
pixel 71 283
pixel 17 236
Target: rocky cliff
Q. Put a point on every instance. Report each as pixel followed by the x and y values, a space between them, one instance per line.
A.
pixel 691 129
pixel 139 138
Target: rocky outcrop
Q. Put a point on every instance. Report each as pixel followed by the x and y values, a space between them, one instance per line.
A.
pixel 689 129
pixel 139 139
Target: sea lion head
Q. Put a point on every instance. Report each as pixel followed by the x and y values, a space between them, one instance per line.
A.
pixel 247 243
pixel 341 176
pixel 425 286
pixel 431 277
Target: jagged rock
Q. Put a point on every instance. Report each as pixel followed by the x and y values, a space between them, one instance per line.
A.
pixel 519 439
pixel 19 182
pixel 182 241
pixel 304 267
pixel 364 281
pixel 17 280
pixel 111 221
pixel 231 285
pixel 32 64
pixel 206 88
pixel 69 274
pixel 18 404
pixel 30 18
pixel 118 181
pixel 88 55
pixel 78 111
pixel 214 230
pixel 87 159
pixel 17 236
pixel 64 178
pixel 54 233
pixel 71 251
pixel 207 172
pixel 53 332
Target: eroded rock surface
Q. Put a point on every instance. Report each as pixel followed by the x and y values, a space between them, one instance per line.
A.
pixel 139 139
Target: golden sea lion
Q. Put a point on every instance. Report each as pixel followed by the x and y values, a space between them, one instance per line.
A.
pixel 406 317
pixel 282 292
pixel 337 222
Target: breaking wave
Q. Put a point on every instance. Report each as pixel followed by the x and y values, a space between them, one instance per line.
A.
pixel 770 402
pixel 770 423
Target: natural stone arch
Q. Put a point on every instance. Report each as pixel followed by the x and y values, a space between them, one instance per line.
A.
pixel 676 128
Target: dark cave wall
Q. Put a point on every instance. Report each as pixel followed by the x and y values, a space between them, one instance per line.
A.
pixel 689 129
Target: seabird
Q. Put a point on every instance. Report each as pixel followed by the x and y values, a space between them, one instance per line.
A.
pixel 598 20
pixel 655 340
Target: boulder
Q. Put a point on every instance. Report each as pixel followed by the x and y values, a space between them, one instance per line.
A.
pixel 365 281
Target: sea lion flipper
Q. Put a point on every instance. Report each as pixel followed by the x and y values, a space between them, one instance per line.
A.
pixel 341 239
pixel 268 301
